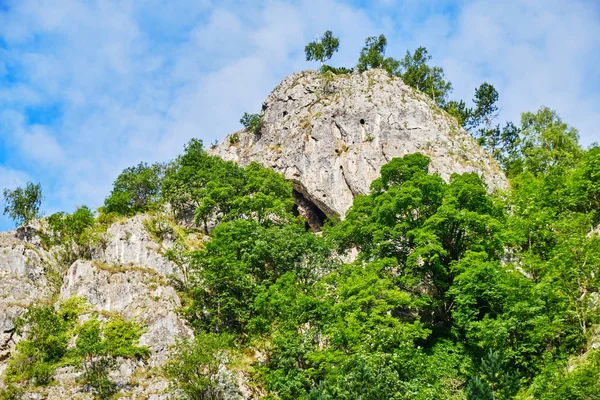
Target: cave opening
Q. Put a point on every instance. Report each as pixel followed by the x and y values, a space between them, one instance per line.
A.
pixel 313 216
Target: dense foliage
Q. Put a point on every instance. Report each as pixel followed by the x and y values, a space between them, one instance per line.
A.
pixel 136 190
pixel 455 293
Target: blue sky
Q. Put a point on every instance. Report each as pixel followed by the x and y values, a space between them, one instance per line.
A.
pixel 90 87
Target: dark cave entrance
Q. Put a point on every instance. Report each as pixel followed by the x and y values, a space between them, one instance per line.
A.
pixel 312 214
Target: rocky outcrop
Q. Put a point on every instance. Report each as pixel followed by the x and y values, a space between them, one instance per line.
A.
pixel 330 134
pixel 135 293
pixel 129 243
pixel 22 282
pixel 129 276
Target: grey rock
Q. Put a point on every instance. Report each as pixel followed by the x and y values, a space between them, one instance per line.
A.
pixel 136 293
pixel 22 282
pixel 129 243
pixel 331 134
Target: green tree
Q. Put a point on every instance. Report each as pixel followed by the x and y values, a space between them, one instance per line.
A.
pixel 417 73
pixel 251 122
pixel 196 367
pixel 460 111
pixel 493 383
pixel 486 110
pixel 99 344
pixel 548 144
pixel 23 204
pixel 136 189
pixel 46 332
pixel 323 48
pixel 71 231
pixel 372 55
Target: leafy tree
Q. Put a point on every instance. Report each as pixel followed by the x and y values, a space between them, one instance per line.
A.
pixel 460 111
pixel 584 185
pixel 322 49
pixel 220 190
pixel 45 344
pixel 547 143
pixel 46 333
pixel 416 72
pixel 423 223
pixel 196 367
pixel 136 189
pixel 251 122
pixel 72 232
pixel 193 175
pixel 372 55
pixel 23 204
pixel 240 260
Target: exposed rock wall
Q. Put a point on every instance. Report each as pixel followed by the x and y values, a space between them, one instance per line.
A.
pixel 330 134
pixel 22 282
pixel 129 277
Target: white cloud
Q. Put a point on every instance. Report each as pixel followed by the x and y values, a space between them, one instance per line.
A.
pixel 535 53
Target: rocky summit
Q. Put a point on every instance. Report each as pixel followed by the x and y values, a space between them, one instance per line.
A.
pixel 330 134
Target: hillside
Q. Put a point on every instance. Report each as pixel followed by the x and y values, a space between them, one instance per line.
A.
pixel 356 243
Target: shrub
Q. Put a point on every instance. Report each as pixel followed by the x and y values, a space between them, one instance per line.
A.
pixel 47 332
pixel 234 139
pixel 252 122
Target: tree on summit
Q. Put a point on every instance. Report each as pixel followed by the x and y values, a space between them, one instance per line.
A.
pixel 323 48
pixel 372 55
pixel 430 80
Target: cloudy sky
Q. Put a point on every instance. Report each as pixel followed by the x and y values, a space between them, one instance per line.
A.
pixel 90 87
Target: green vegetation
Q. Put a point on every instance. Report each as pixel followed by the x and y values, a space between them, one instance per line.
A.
pixel 414 69
pixel 455 293
pixel 195 368
pixel 23 204
pixel 97 347
pixel 216 190
pixel 72 232
pixel 452 292
pixel 417 73
pixel 323 48
pixel 251 122
pixel 372 55
pixel 47 332
pixel 136 189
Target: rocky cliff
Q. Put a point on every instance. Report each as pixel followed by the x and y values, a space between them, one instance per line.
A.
pixel 128 276
pixel 330 134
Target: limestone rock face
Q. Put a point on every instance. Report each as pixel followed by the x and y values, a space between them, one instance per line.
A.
pixel 330 134
pixel 129 276
pixel 22 282
pixel 133 292
pixel 129 242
